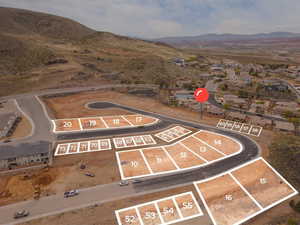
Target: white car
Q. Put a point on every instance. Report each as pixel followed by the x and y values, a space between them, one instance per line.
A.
pixel 123 183
pixel 21 214
pixel 71 193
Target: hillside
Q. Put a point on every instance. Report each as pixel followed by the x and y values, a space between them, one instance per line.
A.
pixel 39 51
pixel 24 22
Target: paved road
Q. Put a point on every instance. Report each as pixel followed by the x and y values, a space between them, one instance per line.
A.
pixel 57 204
pixel 40 137
pixel 211 86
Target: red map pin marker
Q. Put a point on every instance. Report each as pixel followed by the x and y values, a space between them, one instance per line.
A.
pixel 201 95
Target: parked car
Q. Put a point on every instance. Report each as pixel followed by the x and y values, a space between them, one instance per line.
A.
pixel 71 193
pixel 21 214
pixel 89 174
pixel 123 183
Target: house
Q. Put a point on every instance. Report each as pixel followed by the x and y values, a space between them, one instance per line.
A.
pixel 205 76
pixel 284 126
pixel 259 107
pixel 30 154
pixel 244 78
pixel 179 61
pixel 237 116
pixel 8 123
pixel 217 68
pixel 213 110
pixel 260 121
pixel 275 85
pixel 235 101
pixel 282 107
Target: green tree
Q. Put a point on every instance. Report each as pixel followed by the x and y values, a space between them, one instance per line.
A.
pixel 292 221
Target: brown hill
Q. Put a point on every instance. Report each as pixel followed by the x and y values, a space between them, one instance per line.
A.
pixel 25 22
pixel 39 51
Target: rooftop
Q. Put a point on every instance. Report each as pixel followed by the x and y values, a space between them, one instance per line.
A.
pixel 8 151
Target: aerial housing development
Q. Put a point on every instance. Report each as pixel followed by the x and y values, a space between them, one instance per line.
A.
pixel 150 126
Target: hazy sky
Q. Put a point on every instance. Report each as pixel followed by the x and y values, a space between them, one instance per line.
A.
pixel 159 18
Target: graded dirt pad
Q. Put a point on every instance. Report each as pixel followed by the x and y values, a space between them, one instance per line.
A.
pixel 140 120
pixel 148 139
pixel 119 143
pixel 67 125
pixel 182 157
pixel 94 146
pixel 133 164
pixel 158 160
pixel 65 174
pixel 255 130
pixel 245 128
pixel 129 217
pixel 237 126
pixel 83 146
pixel 229 125
pixel 149 215
pixel 187 205
pixel 168 210
pixel 61 149
pixel 115 121
pixel 23 129
pixel 129 141
pixel 224 144
pixel 74 106
pixel 201 149
pixel 263 183
pixel 172 133
pixel 92 123
pixel 227 202
pixel 188 153
pixel 73 148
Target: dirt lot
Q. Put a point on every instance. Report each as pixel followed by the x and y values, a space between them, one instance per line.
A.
pixel 74 105
pixel 227 202
pixel 65 174
pixel 77 101
pixel 23 130
pixel 104 214
pixel 262 183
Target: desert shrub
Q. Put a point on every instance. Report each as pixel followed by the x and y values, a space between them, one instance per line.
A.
pixel 292 221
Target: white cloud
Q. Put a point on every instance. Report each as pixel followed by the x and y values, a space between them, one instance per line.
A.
pixel 157 18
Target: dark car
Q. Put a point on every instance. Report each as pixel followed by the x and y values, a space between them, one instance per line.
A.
pixel 71 193
pixel 21 214
pixel 89 174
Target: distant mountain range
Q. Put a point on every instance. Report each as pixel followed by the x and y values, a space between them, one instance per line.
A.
pixel 208 38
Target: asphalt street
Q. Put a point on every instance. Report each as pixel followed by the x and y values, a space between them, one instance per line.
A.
pixel 102 193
